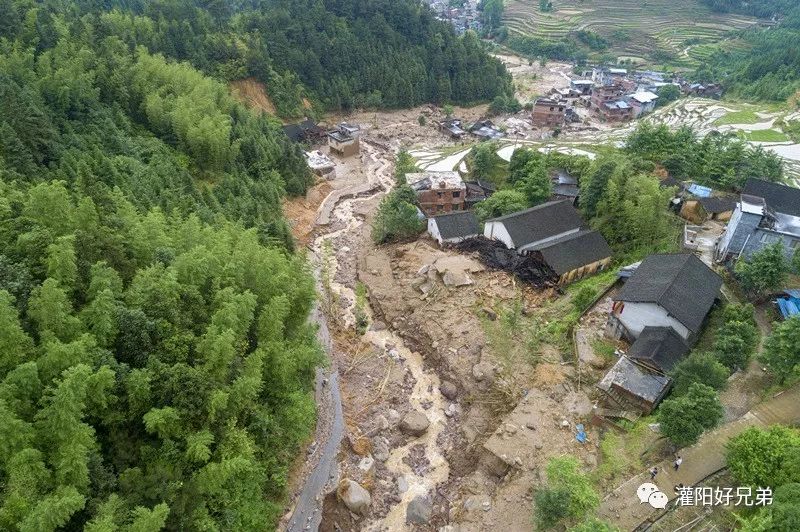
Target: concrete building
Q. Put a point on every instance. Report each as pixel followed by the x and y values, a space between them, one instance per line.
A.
pixel 609 103
pixel 766 213
pixel 344 140
pixel 548 113
pixel 643 102
pixel 438 192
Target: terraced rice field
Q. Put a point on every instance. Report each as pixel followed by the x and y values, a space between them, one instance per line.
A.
pixel 685 29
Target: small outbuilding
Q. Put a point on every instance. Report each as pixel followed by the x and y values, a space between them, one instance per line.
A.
pixel 453 227
pixel 631 385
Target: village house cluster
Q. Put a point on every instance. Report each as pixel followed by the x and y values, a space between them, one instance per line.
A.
pixel 462 15
pixel 611 94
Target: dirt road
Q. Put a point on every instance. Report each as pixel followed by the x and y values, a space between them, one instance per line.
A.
pixel 700 461
pixel 307 514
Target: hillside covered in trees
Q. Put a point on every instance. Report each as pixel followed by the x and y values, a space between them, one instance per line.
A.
pixel 768 67
pixel 338 53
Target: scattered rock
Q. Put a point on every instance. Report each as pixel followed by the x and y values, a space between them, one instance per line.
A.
pixel 451 278
pixel 360 445
pixel 354 496
pixel 378 326
pixel 402 484
pixel 451 410
pixel 414 423
pixel 419 510
pixel 492 315
pixel 448 389
pixel 530 425
pixel 380 449
pixel 393 416
pixel 366 464
pixel 382 423
pixel 483 371
pixel 486 506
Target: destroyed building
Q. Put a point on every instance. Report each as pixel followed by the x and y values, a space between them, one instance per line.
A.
pixel 320 164
pixel 305 131
pixel 557 234
pixel 477 191
pixel 452 127
pixel 630 386
pixel 438 192
pixel 486 130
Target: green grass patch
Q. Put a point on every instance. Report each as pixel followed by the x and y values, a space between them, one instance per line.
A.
pixel 765 135
pixel 605 349
pixel 739 117
pixel 712 325
pixel 620 454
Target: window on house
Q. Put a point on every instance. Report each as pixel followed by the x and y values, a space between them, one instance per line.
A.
pixel 795 244
pixel 767 238
pixel 551 108
pixel 438 194
pixel 439 208
pixel 457 194
pixel 456 206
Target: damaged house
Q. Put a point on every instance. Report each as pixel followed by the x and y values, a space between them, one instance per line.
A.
pixel 438 192
pixel 555 232
pixel 766 213
pixel 661 309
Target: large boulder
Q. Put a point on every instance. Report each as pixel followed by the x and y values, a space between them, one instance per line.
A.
pixel 354 496
pixel 419 510
pixel 414 423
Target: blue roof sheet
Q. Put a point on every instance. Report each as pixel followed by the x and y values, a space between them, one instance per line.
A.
pixel 699 190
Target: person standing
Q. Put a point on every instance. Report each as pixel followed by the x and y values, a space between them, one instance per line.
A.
pixel 678 462
pixel 653 473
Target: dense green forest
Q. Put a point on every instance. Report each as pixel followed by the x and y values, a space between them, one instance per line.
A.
pixel 156 365
pixel 767 68
pixel 340 54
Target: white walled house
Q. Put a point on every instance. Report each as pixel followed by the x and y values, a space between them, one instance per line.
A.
pixel 636 316
pixel 555 233
pixel 532 227
pixel 453 227
pixel 666 290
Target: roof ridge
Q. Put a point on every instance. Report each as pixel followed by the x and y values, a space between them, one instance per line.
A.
pixel 529 209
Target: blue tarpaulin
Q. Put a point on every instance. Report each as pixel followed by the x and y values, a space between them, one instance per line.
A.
pixel 581 435
pixel 790 305
pixel 699 190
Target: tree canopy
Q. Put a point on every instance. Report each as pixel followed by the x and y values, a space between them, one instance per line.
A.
pixel 683 419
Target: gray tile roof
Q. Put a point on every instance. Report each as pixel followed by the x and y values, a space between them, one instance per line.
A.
pixel 543 221
pixel 779 198
pixel 659 347
pixel 574 250
pixel 680 283
pixel 459 224
pixel 628 376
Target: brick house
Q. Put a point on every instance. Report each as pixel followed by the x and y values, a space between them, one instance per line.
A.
pixel 438 192
pixel 548 113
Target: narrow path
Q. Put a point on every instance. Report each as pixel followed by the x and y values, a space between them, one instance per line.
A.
pixel 700 461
